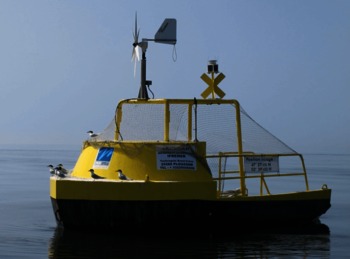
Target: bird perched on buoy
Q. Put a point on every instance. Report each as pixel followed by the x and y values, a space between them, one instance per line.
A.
pixel 52 171
pixel 65 171
pixel 122 176
pixel 92 134
pixel 59 172
pixel 95 176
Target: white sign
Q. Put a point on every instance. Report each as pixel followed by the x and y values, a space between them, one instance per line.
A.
pixel 175 157
pixel 103 158
pixel 265 164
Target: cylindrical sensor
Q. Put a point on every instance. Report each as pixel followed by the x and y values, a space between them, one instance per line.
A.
pixel 213 67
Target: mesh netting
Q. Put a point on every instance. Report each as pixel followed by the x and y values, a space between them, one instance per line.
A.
pixel 216 125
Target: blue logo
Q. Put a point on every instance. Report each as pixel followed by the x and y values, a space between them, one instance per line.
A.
pixel 105 154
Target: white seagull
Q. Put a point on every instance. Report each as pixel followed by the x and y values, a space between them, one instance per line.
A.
pixel 122 176
pixel 95 176
pixel 92 134
pixel 65 171
pixel 52 171
pixel 59 172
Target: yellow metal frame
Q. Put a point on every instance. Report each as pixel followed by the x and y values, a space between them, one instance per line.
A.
pixel 223 154
pixel 240 154
pixel 261 176
pixel 189 102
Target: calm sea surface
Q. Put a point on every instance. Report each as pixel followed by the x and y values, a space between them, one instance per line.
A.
pixel 28 228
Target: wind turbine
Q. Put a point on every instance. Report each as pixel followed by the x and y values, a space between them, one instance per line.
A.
pixel 166 34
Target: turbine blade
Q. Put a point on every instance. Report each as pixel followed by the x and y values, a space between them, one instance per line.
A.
pixel 137 54
pixel 138 33
pixel 133 54
pixel 135 24
pixel 135 68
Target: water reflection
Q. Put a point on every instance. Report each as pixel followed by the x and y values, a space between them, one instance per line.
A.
pixel 301 242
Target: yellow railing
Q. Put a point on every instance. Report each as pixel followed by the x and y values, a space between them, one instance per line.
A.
pixel 190 102
pixel 166 103
pixel 261 175
pixel 223 154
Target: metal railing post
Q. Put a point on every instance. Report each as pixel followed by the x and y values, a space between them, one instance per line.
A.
pixel 302 162
pixel 240 147
pixel 166 120
pixel 118 120
pixel 189 123
pixel 220 174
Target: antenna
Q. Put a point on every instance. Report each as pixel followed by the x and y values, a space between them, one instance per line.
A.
pixel 166 34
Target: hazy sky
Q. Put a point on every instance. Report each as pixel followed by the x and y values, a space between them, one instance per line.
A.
pixel 66 64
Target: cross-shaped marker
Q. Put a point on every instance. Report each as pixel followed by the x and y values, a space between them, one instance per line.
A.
pixel 213 85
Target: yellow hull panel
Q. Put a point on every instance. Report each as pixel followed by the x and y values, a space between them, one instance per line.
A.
pixel 88 189
pixel 145 163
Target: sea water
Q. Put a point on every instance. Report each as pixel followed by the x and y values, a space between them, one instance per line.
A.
pixel 28 228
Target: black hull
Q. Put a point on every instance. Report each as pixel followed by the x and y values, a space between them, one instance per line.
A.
pixel 180 214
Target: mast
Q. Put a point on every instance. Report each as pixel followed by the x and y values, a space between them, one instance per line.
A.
pixel 143 90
